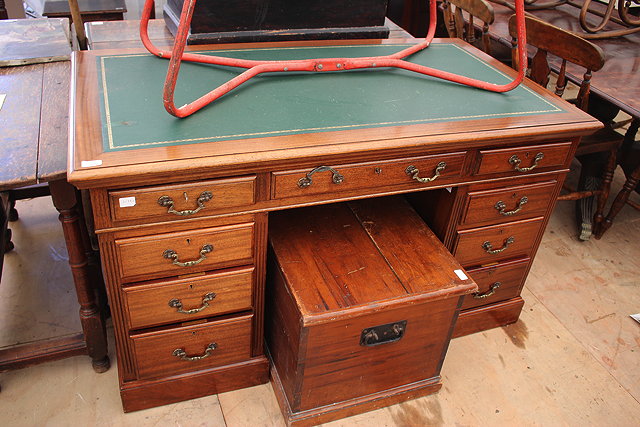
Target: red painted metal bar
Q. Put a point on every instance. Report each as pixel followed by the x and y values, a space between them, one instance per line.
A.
pixel 253 68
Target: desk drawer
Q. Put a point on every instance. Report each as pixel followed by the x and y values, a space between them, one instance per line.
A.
pixel 186 252
pixel 498 282
pixel 353 177
pixel 480 246
pixel 202 296
pixel 192 348
pixel 182 200
pixel 505 204
pixel 523 160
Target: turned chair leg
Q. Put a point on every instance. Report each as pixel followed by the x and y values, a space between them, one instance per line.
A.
pixel 620 201
pixel 8 244
pixel 605 188
pixel 13 213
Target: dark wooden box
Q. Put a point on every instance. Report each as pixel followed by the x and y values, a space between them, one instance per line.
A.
pixel 361 303
pixel 217 21
pixel 90 10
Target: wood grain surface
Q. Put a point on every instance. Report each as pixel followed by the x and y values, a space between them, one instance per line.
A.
pixel 284 152
pixel 330 280
pixel 34 41
pixel 20 121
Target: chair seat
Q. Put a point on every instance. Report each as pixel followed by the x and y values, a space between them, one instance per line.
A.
pixel 605 139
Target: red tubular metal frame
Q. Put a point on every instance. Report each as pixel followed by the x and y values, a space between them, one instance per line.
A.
pixel 253 68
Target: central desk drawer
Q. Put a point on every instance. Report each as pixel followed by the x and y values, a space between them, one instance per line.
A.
pixel 182 300
pixel 192 348
pixel 356 176
pixel 182 200
pixel 186 252
pixel 486 245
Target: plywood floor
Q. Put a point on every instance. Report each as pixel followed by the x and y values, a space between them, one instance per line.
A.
pixel 573 359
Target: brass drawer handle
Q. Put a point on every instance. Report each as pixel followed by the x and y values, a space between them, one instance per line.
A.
pixel 491 291
pixel 515 162
pixel 501 206
pixel 167 202
pixel 413 172
pixel 182 355
pixel 307 181
pixel 177 304
pixel 172 255
pixel 489 248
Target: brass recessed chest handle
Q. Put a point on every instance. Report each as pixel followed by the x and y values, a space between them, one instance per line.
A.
pixel 489 248
pixel 515 162
pixel 173 255
pixel 306 181
pixel 501 206
pixel 177 304
pixel 492 290
pixel 413 172
pixel 167 202
pixel 182 355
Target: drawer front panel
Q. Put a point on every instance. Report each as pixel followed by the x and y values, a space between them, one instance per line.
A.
pixel 352 177
pixel 183 300
pixel 526 159
pixel 197 250
pixel 507 204
pixel 496 283
pixel 479 246
pixel 192 348
pixel 182 200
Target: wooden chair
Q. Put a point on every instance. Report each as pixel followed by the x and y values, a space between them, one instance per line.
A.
pixel 569 47
pixel 630 163
pixel 464 28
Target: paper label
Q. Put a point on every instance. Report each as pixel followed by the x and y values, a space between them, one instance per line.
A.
pixel 460 274
pixel 2 97
pixel 127 202
pixel 449 189
pixel 90 163
pixel 636 317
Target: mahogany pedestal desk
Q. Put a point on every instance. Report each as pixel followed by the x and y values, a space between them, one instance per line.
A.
pixel 181 205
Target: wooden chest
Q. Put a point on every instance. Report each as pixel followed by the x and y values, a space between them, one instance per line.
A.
pixel 362 301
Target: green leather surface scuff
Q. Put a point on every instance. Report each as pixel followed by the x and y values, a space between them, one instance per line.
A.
pixel 133 115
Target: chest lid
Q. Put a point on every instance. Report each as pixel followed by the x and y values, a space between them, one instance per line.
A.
pixel 362 255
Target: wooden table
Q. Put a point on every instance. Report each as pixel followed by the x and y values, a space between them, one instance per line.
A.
pixel 181 206
pixel 33 149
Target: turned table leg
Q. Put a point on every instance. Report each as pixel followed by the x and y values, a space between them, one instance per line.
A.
pixel 66 200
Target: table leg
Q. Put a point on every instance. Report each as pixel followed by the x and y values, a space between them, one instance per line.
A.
pixel 66 200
